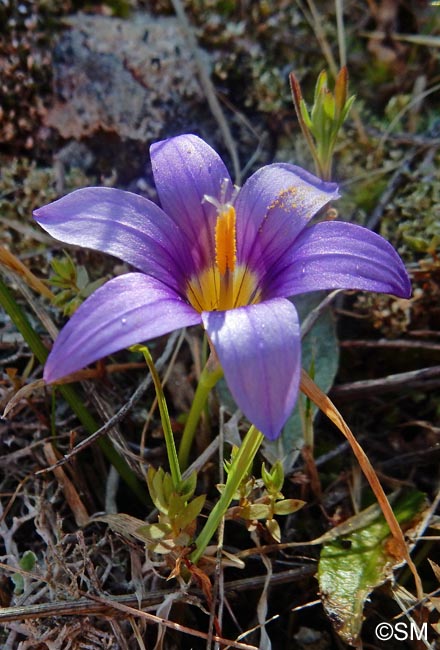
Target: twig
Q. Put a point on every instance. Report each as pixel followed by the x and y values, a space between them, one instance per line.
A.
pixel 428 141
pixel 209 89
pixel 10 261
pixel 29 231
pixel 432 346
pixel 262 606
pixel 341 33
pixel 203 458
pixel 395 181
pixel 313 316
pixel 418 39
pixel 83 606
pixel 121 414
pixel 218 591
pixel 261 138
pixel 415 100
pixel 402 380
pixel 132 611
pixel 40 313
pixel 428 456
pixel 316 23
pixel 69 490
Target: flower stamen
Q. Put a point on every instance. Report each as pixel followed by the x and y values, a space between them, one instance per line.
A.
pixel 225 240
pixel 224 284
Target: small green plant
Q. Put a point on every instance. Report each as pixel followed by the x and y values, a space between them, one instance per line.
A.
pixel 322 124
pixel 73 282
pixel 262 499
pixel 178 512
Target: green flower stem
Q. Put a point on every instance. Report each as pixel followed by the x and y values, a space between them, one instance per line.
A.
pixel 307 423
pixel 211 373
pixel 23 325
pixel 21 322
pixel 164 416
pixel 239 468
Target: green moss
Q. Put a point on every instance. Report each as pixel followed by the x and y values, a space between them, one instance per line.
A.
pixel 25 186
pixel 412 220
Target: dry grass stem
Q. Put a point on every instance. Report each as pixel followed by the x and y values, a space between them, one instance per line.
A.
pixel 314 393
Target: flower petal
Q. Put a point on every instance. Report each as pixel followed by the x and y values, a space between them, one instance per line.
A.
pixel 259 349
pixel 338 255
pixel 123 224
pixel 126 310
pixel 273 207
pixel 186 169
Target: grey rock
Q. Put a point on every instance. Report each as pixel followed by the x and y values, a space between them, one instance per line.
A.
pixel 129 77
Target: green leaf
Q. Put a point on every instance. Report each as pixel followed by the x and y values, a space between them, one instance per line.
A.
pixel 358 557
pixel 274 529
pixel 153 532
pixel 91 287
pixel 329 106
pixel 273 480
pixel 57 281
pixel 18 581
pixel 64 268
pixel 317 117
pixel 168 488
pixel 70 308
pixel 155 480
pixel 349 103
pixel 321 348
pixel 266 476
pixel 321 84
pixel 192 511
pixel 176 505
pixel 62 297
pixel 305 114
pixel 28 561
pixel 221 488
pixel 277 473
pixel 82 277
pixel 287 506
pixel 256 511
pixel 188 486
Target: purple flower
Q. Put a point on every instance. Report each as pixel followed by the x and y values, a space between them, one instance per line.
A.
pixel 215 257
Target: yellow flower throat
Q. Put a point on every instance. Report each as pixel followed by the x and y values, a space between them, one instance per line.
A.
pixel 224 284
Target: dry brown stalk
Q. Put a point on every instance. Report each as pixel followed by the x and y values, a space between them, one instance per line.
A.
pixel 84 607
pixel 407 380
pixel 132 611
pixel 314 393
pixel 70 492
